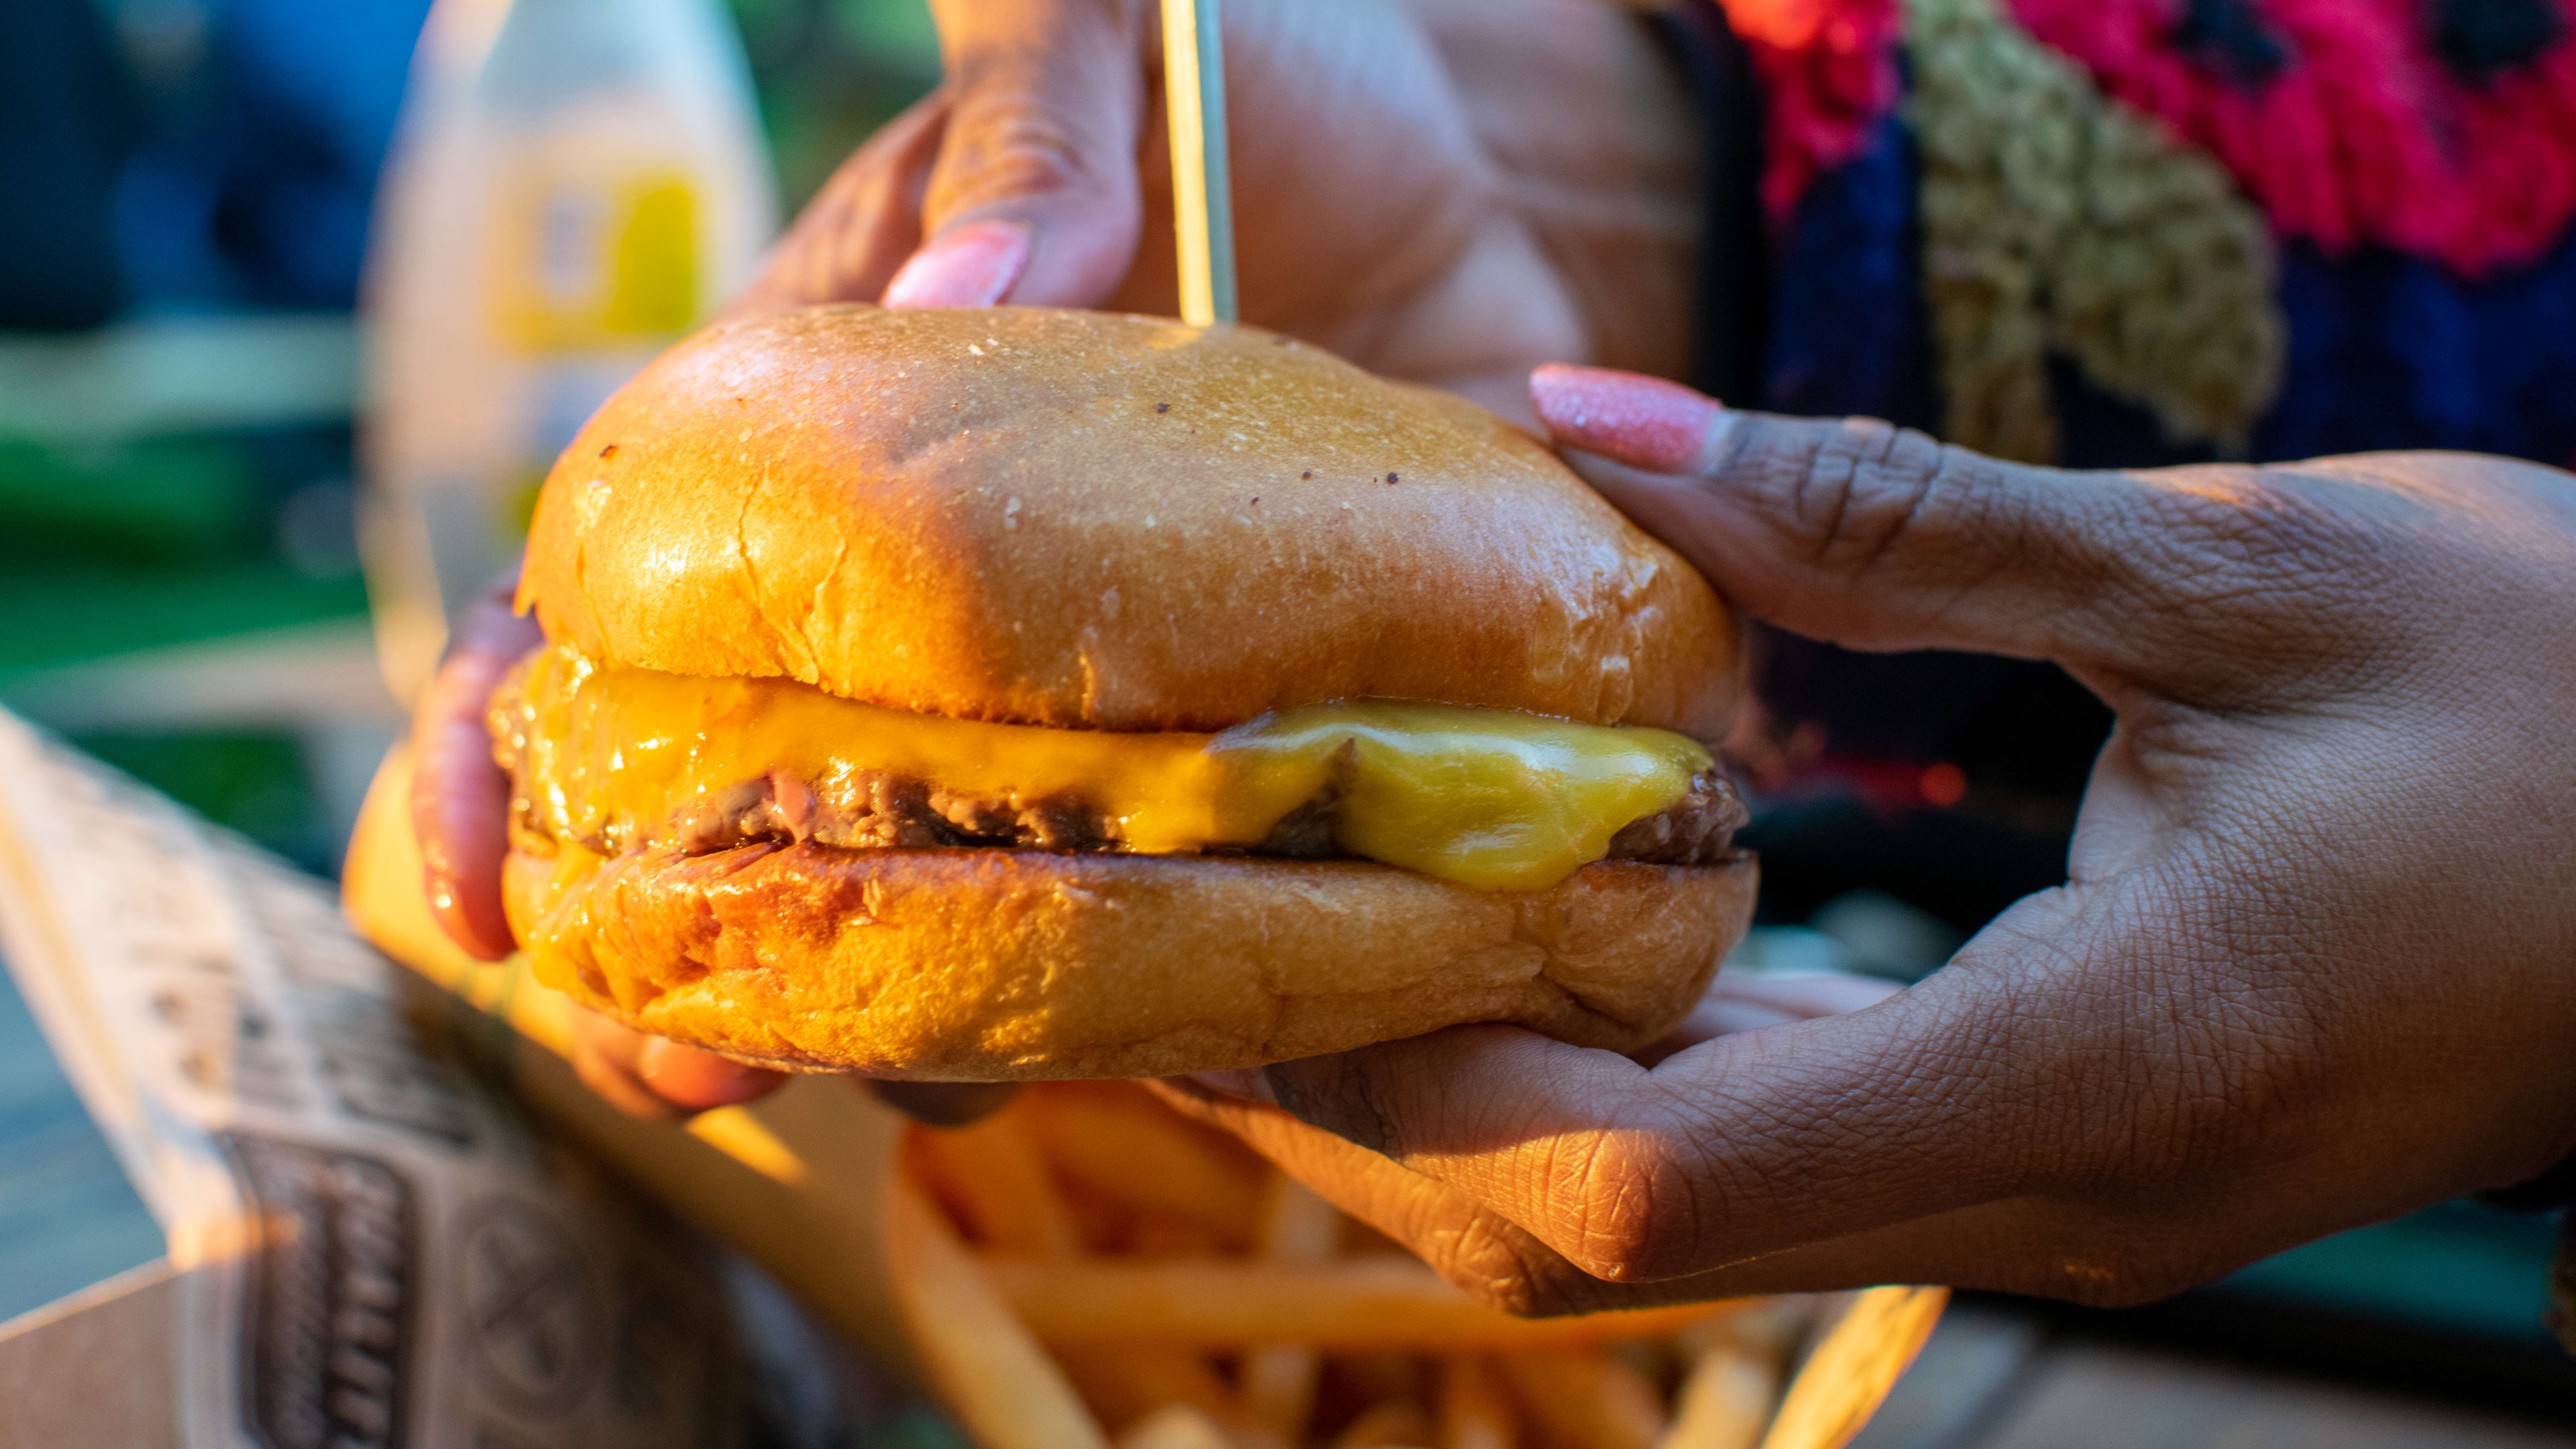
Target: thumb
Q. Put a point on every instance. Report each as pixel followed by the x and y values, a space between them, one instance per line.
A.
pixel 460 803
pixel 1034 198
pixel 1880 538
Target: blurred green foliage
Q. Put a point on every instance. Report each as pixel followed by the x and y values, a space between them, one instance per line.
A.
pixel 128 544
pixel 251 781
pixel 58 613
pixel 2459 1267
pixel 829 73
pixel 144 500
pixel 116 545
pixel 916 1426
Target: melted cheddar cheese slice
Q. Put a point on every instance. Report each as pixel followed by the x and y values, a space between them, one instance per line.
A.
pixel 1486 798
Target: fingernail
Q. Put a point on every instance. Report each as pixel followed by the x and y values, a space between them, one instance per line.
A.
pixel 1644 422
pixel 698 1079
pixel 1251 1085
pixel 973 266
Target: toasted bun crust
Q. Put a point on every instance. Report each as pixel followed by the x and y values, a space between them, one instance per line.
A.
pixel 1000 965
pixel 1077 519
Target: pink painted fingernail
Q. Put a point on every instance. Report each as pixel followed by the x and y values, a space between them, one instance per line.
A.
pixel 1644 422
pixel 973 266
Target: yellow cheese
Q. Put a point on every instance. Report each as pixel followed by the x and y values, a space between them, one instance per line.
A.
pixel 1487 798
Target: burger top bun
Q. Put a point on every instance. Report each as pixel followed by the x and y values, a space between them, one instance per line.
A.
pixel 1078 519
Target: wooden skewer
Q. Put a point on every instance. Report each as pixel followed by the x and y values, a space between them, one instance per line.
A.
pixel 1202 198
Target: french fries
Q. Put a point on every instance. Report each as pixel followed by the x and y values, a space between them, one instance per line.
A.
pixel 1279 1379
pixel 1350 1304
pixel 1585 1397
pixel 1850 1372
pixel 1176 1426
pixel 1396 1422
pixel 1473 1412
pixel 1113 1142
pixel 998 1189
pixel 1191 1297
pixel 1725 1400
pixel 1089 1269
pixel 1007 1396
pixel 990 1179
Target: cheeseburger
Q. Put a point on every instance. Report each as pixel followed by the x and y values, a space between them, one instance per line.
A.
pixel 988 695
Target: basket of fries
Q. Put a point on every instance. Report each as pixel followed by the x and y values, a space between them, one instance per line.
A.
pixel 1187 1295
pixel 1089 1267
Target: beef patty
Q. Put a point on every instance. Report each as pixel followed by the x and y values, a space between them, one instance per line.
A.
pixel 876 810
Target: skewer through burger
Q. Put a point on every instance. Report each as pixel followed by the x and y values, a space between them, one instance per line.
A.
pixel 991 695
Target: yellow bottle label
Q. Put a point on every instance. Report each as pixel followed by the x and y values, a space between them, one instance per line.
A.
pixel 653 285
pixel 582 265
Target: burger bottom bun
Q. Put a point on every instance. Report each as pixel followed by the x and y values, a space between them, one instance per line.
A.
pixel 1007 965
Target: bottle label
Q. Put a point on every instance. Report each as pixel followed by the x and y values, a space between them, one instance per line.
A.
pixel 585 264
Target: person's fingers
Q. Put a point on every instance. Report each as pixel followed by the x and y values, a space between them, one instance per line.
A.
pixel 1800 995
pixel 847 243
pixel 695 1080
pixel 650 1076
pixel 1034 198
pixel 1552 1215
pixel 1015 182
pixel 2016 1246
pixel 1740 1001
pixel 1477 1247
pixel 1935 1100
pixel 603 1056
pixel 1852 531
pixel 970 265
pixel 1472 1246
pixel 1647 423
pixel 460 799
pixel 1480 1244
pixel 655 1077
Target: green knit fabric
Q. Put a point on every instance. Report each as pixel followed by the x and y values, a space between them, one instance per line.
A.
pixel 2057 220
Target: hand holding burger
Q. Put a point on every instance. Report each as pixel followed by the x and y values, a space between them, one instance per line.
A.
pixel 2312 969
pixel 1493 230
pixel 2309 971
